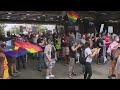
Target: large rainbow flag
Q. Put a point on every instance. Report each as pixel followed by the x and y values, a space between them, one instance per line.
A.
pixel 16 53
pixel 28 46
pixel 72 17
pixel 22 48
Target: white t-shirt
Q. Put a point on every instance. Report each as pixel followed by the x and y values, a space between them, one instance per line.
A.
pixel 83 41
pixel 88 52
pixel 48 50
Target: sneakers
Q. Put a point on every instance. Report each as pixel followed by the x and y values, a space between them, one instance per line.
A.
pixel 77 62
pixel 51 76
pixel 113 75
pixel 47 77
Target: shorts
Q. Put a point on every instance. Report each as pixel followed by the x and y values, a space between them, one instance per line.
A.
pixel 11 60
pixel 72 62
pixel 50 64
pixel 58 49
pixel 14 59
pixel 65 51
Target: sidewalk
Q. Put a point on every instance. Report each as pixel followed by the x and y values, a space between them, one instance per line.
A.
pixel 61 72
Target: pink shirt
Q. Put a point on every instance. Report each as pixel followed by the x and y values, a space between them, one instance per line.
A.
pixel 107 40
pixel 112 45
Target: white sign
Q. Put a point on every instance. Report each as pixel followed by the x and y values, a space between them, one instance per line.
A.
pixel 110 29
pixel 101 28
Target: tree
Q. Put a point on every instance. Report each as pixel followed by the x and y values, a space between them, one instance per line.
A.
pixel 15 29
pixel 2 26
pixel 41 28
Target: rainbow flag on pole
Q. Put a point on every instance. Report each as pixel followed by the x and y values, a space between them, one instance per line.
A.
pixel 72 17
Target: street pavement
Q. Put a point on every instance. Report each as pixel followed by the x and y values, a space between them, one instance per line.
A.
pixel 61 71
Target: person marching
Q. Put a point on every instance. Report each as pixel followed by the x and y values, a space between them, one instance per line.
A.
pixel 73 48
pixel 4 74
pixel 50 58
pixel 58 47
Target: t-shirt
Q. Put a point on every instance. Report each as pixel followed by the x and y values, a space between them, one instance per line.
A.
pixel 40 41
pixel 53 52
pixel 66 43
pixel 83 41
pixel 100 40
pixel 72 53
pixel 50 50
pixel 107 40
pixel 62 43
pixel 88 52
pixel 58 43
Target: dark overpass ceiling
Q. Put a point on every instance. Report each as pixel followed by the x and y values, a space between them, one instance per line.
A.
pixel 56 16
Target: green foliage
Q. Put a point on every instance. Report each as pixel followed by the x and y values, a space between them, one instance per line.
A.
pixel 15 29
pixel 2 26
pixel 41 28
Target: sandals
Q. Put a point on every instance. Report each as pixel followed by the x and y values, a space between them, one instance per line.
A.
pixel 70 77
pixel 14 75
pixel 74 74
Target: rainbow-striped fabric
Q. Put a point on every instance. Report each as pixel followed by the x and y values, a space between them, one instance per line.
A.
pixel 22 48
pixel 72 16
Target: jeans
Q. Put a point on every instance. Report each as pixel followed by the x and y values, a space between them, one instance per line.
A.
pixel 40 60
pixel 88 71
pixel 21 59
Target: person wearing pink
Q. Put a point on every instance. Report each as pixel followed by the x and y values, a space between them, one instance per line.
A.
pixel 65 48
pixel 110 50
pixel 108 41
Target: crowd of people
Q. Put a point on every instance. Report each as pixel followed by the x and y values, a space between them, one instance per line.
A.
pixel 69 48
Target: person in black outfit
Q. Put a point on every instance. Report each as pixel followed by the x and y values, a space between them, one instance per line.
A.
pixel 100 45
pixel 21 59
pixel 73 48
pixel 41 43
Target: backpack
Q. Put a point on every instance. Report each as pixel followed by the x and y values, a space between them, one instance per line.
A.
pixel 83 59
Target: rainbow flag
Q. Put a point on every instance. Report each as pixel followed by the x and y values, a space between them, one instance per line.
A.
pixel 72 17
pixel 28 46
pixel 22 48
pixel 16 53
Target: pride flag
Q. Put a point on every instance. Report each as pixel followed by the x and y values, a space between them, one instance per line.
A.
pixel 22 48
pixel 72 17
pixel 28 46
pixel 17 53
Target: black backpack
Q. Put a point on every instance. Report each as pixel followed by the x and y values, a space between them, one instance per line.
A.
pixel 83 59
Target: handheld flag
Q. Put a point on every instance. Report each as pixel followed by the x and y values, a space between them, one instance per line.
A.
pixel 72 17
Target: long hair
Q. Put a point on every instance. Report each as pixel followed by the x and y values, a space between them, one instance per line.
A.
pixel 87 44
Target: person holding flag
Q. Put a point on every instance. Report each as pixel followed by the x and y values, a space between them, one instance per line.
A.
pixel 4 74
